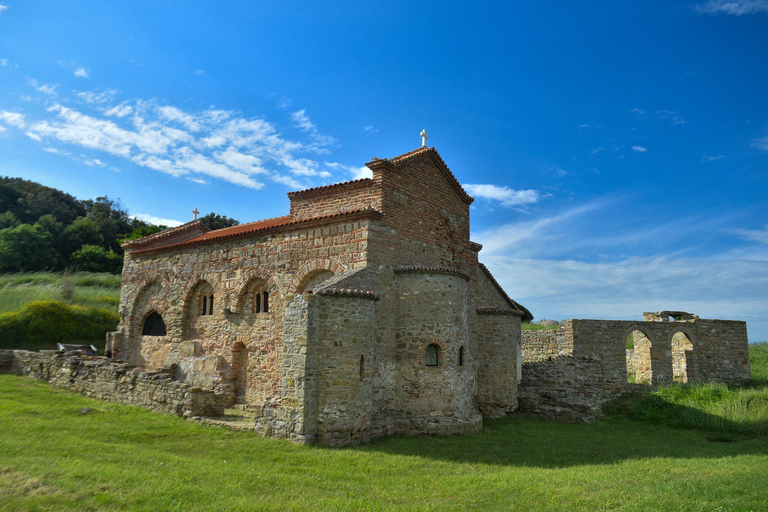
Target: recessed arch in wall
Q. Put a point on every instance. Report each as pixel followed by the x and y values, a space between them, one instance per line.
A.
pixel 313 270
pixel 200 303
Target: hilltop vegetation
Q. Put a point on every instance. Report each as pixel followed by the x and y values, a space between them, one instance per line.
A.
pixel 42 228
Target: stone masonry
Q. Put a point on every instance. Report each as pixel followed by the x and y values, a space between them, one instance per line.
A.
pixel 570 372
pixel 362 313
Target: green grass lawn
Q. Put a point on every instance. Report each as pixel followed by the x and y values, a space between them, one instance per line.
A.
pixel 119 457
pixel 89 289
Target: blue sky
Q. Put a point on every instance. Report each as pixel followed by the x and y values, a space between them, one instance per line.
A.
pixel 618 151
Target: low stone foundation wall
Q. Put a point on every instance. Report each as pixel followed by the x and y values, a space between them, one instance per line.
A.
pixel 115 381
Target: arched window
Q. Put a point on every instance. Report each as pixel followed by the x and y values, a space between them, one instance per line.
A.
pixel 153 325
pixel 461 356
pixel 266 301
pixel 257 306
pixel 431 356
pixel 205 305
pixel 210 304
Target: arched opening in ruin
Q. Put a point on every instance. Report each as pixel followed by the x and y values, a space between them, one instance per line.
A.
pixel 240 372
pixel 153 325
pixel 313 279
pixel 682 357
pixel 639 368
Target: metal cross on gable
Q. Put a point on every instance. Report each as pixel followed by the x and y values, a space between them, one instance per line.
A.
pixel 196 212
pixel 424 138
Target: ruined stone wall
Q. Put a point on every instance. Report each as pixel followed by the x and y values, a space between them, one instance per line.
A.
pixel 334 199
pixel 107 379
pixel 545 344
pixel 572 378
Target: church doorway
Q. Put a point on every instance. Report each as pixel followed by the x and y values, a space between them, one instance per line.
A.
pixel 240 372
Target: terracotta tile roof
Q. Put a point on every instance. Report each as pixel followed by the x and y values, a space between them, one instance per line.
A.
pixel 244 230
pixel 189 226
pixel 362 181
pixel 424 151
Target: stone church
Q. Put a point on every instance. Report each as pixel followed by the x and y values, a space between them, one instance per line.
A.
pixel 364 312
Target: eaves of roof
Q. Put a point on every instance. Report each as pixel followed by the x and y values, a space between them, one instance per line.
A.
pixel 258 228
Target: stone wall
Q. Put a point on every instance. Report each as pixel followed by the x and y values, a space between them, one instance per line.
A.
pixel 433 310
pixel 115 381
pixel 571 372
pixel 498 341
pixel 335 199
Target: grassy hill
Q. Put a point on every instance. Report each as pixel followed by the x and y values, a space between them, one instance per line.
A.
pixel 40 309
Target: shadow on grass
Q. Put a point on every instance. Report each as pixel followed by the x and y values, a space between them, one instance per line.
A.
pixel 542 443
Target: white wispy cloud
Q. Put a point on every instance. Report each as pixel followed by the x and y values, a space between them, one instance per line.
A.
pixel 12 118
pixel 57 151
pixel 673 116
pixel 503 194
pixel 637 111
pixel 321 142
pixel 4 62
pixel 3 8
pixel 584 126
pixel 81 72
pixel 761 143
pixel 44 88
pixel 733 7
pixel 357 173
pixel 709 158
pixel 171 223
pixel 120 110
pixel 195 144
pixel 97 97
pixel 584 262
pixel 199 72
pixel 370 129
pixel 639 149
pixel 753 235
pixel 93 161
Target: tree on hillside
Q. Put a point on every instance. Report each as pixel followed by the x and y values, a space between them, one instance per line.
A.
pixel 26 248
pixel 84 231
pixel 142 231
pixel 8 220
pixel 213 221
pixel 29 200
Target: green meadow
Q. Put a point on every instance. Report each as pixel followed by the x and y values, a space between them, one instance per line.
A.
pixel 117 457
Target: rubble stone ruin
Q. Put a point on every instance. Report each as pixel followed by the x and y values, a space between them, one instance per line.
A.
pixel 362 313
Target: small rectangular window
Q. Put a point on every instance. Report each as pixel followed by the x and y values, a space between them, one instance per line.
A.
pixel 266 302
pixel 257 309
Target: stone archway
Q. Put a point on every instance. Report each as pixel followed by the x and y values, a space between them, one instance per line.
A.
pixel 240 372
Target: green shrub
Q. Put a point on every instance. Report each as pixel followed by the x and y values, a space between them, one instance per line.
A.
pixel 92 258
pixel 43 324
